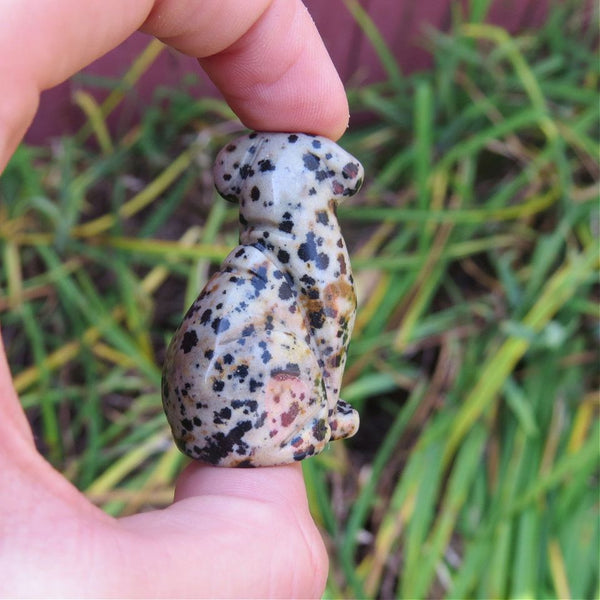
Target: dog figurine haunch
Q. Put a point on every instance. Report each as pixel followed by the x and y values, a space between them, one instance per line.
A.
pixel 252 376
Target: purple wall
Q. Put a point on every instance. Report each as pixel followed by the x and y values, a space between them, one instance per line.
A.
pixel 400 21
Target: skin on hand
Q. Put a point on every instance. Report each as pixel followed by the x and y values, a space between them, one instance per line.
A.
pixel 235 533
pixel 266 56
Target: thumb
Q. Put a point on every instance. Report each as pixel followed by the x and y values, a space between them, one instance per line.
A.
pixel 278 485
pixel 233 533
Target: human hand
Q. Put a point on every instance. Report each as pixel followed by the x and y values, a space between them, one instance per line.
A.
pixel 265 56
pixel 234 533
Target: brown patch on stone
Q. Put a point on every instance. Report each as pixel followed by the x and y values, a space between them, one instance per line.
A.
pixel 342 262
pixel 287 418
pixel 335 291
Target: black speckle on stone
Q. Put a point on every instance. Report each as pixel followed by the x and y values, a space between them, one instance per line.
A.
pixel 286 226
pixel 228 359
pixel 323 174
pixel 255 194
pixel 308 250
pixel 302 455
pixel 246 171
pixel 322 261
pixel 308 280
pixel 266 356
pixel 227 177
pixel 197 421
pixel 218 385
pixel 231 148
pixel 259 280
pixel 240 252
pixel 317 318
pixel 209 354
pixel 265 165
pixel 322 217
pixel 187 424
pixel 205 318
pixel 311 162
pixel 320 429
pixel 293 138
pixel 285 291
pixel 220 325
pixel 223 415
pixel 190 311
pixel 241 372
pixel 312 191
pixel 189 341
pixel 254 385
pixel 289 278
pixel 220 445
pixel 248 330
pixel 316 144
pixel 261 420
pixel 249 405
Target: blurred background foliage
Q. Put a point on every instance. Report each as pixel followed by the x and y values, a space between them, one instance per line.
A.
pixel 474 361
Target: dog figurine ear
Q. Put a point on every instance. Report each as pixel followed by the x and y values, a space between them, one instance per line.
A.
pixel 333 164
pixel 238 163
pixel 234 164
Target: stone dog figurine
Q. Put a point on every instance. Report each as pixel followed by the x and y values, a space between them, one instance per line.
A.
pixel 252 376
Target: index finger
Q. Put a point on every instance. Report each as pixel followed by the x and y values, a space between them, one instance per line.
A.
pixel 266 56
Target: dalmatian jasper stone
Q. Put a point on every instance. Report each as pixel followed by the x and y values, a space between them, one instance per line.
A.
pixel 252 376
